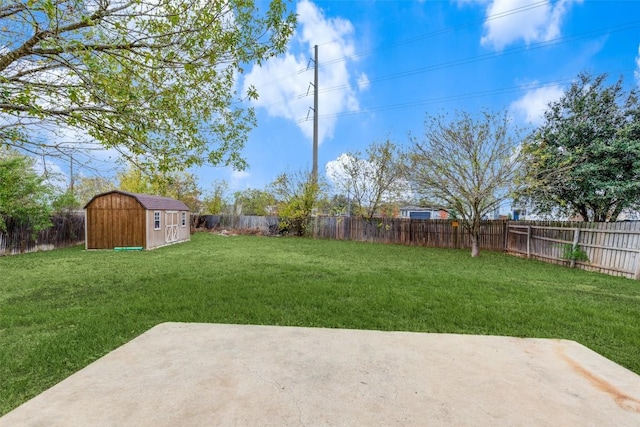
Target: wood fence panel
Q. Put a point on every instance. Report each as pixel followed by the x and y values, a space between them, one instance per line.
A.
pixel 405 231
pixel 67 230
pixel 611 248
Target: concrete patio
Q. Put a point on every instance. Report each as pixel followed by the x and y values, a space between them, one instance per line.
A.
pixel 179 374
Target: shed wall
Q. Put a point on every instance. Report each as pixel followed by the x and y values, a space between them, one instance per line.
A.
pixel 115 220
pixel 157 238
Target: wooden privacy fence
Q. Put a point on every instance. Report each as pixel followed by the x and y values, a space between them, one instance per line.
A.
pixel 612 248
pixel 439 233
pixel 266 224
pixel 435 233
pixel 67 230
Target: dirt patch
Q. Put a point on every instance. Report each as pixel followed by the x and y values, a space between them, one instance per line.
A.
pixel 234 232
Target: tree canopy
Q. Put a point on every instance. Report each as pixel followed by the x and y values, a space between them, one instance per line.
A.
pixel 216 200
pixel 585 158
pixel 153 79
pixel 86 187
pixel 253 201
pixel 178 185
pixel 467 165
pixel 24 194
pixel 297 194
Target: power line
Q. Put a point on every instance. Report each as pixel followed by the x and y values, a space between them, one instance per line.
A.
pixel 474 59
pixel 484 57
pixel 458 97
pixel 438 32
pixel 411 39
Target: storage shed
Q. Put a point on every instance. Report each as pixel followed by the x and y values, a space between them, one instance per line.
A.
pixel 122 219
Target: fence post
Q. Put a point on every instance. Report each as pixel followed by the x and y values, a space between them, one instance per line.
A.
pixel 505 233
pixel 637 275
pixel 316 220
pixel 576 238
pixel 528 241
pixel 348 226
pixel 454 224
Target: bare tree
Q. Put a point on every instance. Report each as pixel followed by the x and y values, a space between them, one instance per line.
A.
pixel 468 165
pixel 369 179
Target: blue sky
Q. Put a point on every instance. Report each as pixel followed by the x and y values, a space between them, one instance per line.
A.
pixel 385 64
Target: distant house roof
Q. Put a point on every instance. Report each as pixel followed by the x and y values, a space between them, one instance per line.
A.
pixel 418 209
pixel 149 202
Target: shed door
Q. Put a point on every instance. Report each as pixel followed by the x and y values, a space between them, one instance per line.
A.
pixel 171 226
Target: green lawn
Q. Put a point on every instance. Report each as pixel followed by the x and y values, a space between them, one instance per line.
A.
pixel 63 309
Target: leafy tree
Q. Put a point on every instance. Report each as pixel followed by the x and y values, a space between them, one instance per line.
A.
pixel 370 179
pixel 181 186
pixel 253 202
pixel 389 209
pixel 154 79
pixel 297 194
pixel 337 204
pixel 216 201
pixel 178 185
pixel 65 201
pixel 86 187
pixel 134 180
pixel 24 195
pixel 467 165
pixel 585 158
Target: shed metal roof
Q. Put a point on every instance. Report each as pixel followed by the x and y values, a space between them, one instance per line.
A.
pixel 149 202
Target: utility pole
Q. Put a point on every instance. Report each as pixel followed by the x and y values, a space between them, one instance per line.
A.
pixel 314 171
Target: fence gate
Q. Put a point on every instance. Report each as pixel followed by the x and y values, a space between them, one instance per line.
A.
pixel 171 226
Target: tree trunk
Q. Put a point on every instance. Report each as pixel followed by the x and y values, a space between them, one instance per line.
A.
pixel 475 248
pixel 616 212
pixel 473 227
pixel 584 213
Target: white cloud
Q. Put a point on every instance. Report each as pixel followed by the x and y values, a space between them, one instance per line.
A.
pixel 239 175
pixel 239 179
pixel 335 170
pixel 636 73
pixel 287 97
pixel 462 3
pixel 363 82
pixel 539 23
pixel 532 105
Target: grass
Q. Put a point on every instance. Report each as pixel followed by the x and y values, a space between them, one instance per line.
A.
pixel 63 309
